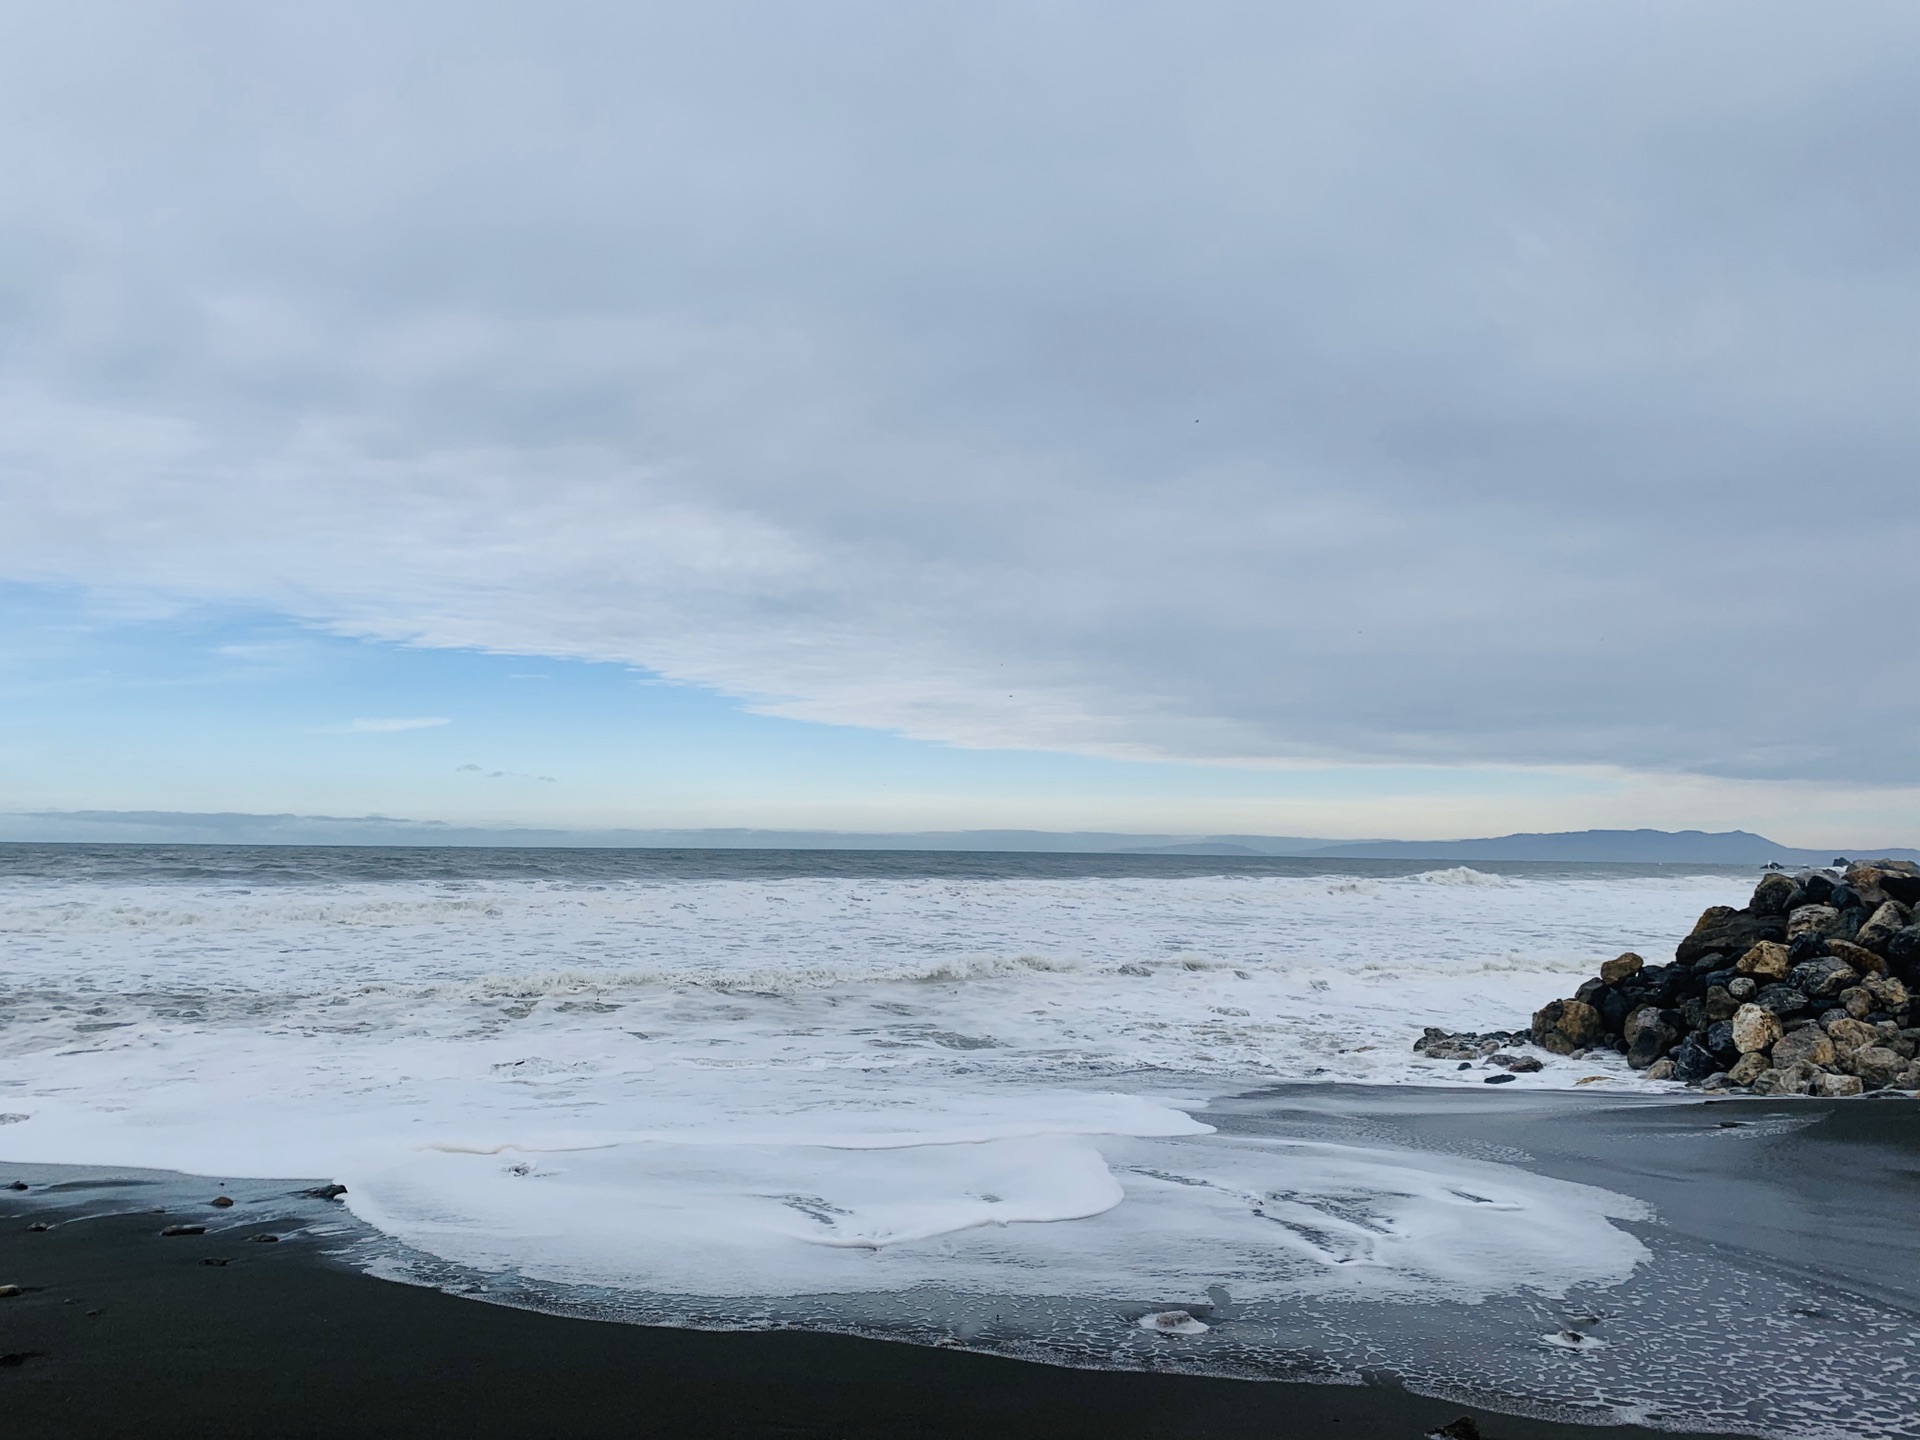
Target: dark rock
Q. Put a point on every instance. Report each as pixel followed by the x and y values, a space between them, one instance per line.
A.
pixel 221 1202
pixel 1780 999
pixel 1773 895
pixel 172 1230
pixel 1649 1039
pixel 38 1227
pixel 1693 1062
pixel 1498 1080
pixel 1809 946
pixel 1661 983
pixel 264 1239
pixel 1882 925
pixel 1719 1040
pixel 1730 931
pixel 1816 885
pixel 216 1260
pixel 16 1185
pixel 1847 926
pixel 1903 947
pixel 1693 1016
pixel 1438 1044
pixel 1462 1429
pixel 1592 992
pixel 1614 1010
pixel 1900 880
pixel 324 1192
pixel 1844 897
pixel 1823 978
pixel 1720 1004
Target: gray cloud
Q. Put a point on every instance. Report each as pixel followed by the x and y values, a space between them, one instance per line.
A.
pixel 1520 383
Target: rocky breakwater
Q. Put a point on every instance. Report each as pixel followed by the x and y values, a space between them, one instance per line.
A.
pixel 1809 989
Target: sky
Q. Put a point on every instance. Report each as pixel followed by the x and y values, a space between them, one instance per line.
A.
pixel 1347 420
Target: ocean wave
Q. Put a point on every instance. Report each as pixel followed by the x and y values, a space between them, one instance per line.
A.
pixel 1458 875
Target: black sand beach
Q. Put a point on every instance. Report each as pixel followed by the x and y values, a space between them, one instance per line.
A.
pixel 121 1330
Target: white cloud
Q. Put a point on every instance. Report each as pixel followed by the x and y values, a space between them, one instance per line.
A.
pixel 1548 365
pixel 389 726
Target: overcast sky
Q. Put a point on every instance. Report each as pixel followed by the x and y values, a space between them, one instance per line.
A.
pixel 1347 389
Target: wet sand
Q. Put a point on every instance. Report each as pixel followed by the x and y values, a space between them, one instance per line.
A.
pixel 120 1331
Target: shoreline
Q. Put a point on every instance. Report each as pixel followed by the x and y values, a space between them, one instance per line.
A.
pixel 120 1331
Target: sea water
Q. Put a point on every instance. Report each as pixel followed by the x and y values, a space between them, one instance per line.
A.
pixel 998 1101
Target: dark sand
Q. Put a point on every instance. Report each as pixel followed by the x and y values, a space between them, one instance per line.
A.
pixel 122 1332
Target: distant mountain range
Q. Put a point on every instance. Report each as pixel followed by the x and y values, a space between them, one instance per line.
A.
pixel 1645 847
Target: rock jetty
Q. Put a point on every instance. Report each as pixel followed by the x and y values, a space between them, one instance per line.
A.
pixel 1811 988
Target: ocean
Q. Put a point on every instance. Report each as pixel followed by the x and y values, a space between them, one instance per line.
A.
pixel 1032 1104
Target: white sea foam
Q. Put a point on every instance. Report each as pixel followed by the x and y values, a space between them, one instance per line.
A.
pixel 806 1085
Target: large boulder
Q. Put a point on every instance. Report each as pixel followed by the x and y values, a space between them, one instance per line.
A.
pixel 1816 885
pixel 1788 1080
pixel 1812 920
pixel 1888 993
pixel 1782 1000
pixel 1648 1036
pixel 1823 978
pixel 1877 1066
pixel 1886 922
pixel 1747 1068
pixel 1774 895
pixel 1694 1062
pixel 1563 1026
pixel 1765 961
pixel 1727 931
pixel 1848 1034
pixel 1858 956
pixel 1896 879
pixel 1755 1028
pixel 1903 949
pixel 1835 1087
pixel 1720 1004
pixel 1809 1045
pixel 1622 967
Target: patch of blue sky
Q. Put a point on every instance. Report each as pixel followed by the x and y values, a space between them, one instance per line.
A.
pixel 104 708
